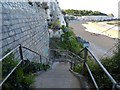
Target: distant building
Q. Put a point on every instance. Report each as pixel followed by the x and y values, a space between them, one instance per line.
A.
pixel 96 18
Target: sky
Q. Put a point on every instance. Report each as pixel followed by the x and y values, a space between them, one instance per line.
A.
pixel 105 6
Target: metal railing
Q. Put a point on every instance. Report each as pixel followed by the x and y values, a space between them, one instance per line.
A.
pixel 114 83
pixel 72 63
pixel 87 52
pixel 20 49
pixel 69 55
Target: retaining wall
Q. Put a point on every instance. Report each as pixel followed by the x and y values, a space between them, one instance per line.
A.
pixel 22 23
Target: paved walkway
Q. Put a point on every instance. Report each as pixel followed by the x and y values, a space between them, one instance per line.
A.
pixel 57 77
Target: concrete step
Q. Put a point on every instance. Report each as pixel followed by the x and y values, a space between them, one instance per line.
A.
pixel 58 76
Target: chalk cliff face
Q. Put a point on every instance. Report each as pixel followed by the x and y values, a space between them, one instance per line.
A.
pixel 53 11
pixel 54 14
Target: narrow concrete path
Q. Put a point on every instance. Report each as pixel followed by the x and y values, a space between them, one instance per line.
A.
pixel 57 77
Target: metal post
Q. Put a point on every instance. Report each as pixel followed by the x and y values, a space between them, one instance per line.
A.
pixel 85 56
pixel 118 45
pixel 46 61
pixel 71 65
pixel 40 59
pixel 21 53
pixel 114 87
pixel 74 65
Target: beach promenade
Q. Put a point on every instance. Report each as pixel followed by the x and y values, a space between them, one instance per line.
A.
pixel 99 44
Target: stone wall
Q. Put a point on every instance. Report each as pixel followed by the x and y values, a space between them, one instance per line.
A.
pixel 24 24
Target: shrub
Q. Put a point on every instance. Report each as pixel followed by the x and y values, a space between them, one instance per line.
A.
pixel 55 25
pixel 19 79
pixel 8 64
pixel 22 77
pixel 111 64
pixel 99 75
pixel 69 41
pixel 45 67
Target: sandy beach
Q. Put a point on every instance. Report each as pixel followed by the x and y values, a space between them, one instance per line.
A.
pixel 99 43
pixel 103 29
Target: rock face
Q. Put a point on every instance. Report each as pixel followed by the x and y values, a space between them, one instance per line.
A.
pixel 25 24
pixel 53 11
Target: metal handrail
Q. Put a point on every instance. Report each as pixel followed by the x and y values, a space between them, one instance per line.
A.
pixel 21 59
pixel 30 50
pixel 33 51
pixel 115 84
pixel 103 68
pixel 9 53
pixel 118 86
pixel 77 55
pixel 13 68
pixel 10 73
pixel 69 52
pixel 93 79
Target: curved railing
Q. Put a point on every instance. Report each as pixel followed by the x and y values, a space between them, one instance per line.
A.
pixel 20 49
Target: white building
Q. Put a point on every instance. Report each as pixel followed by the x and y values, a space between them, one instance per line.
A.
pixel 96 18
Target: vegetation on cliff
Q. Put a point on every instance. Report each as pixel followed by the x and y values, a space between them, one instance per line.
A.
pixel 82 12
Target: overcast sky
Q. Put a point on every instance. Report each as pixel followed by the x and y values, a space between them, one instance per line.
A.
pixel 105 6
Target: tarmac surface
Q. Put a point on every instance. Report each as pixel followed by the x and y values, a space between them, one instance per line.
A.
pixel 57 77
pixel 99 44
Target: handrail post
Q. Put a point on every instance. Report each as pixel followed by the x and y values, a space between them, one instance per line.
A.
pixel 74 65
pixel 21 53
pixel 113 87
pixel 71 65
pixel 40 59
pixel 75 62
pixel 85 55
pixel 46 61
